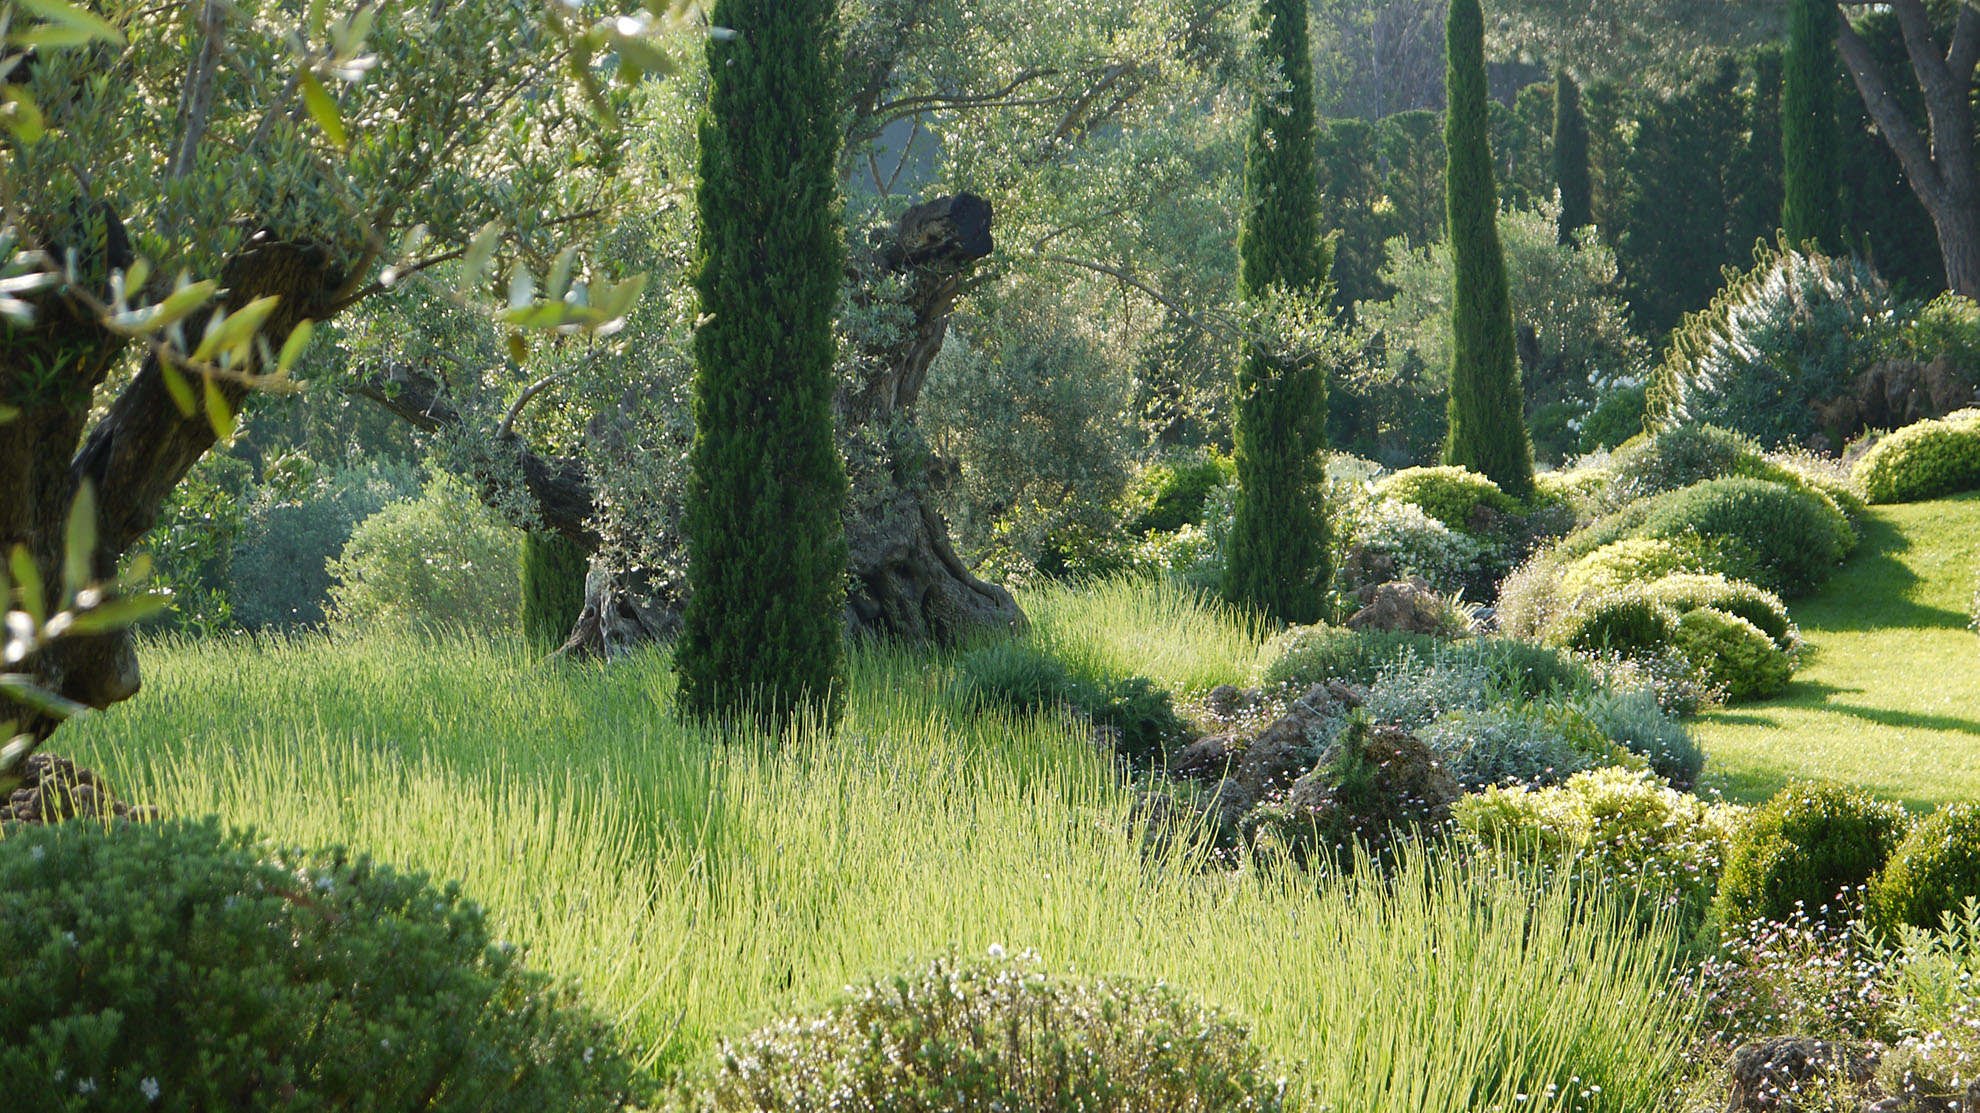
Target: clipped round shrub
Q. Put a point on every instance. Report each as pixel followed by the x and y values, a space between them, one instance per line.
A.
pixel 1734 653
pixel 1931 873
pixel 997 1036
pixel 1808 849
pixel 1785 538
pixel 179 964
pixel 1677 457
pixel 1617 825
pixel 1624 621
pixel 1688 592
pixel 1450 494
pixel 440 559
pixel 1582 489
pixel 1633 560
pixel 1308 655
pixel 1923 461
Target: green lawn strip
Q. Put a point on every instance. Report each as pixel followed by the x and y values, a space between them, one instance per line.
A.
pixel 1891 700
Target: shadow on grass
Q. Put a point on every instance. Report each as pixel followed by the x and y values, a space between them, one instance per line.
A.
pixel 1913 719
pixel 1872 592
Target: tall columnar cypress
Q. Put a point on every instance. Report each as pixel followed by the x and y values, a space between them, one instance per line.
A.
pixel 1571 158
pixel 553 569
pixel 1811 138
pixel 1760 192
pixel 1487 415
pixel 1277 560
pixel 766 549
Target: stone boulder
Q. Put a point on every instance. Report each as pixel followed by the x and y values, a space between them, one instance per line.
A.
pixel 1409 606
pixel 55 789
pixel 1775 1073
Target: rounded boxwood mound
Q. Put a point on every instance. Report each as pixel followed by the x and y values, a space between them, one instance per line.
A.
pixel 1625 621
pixel 996 1036
pixel 1785 538
pixel 1934 871
pixel 1450 494
pixel 1764 609
pixel 1923 461
pixel 1733 653
pixel 179 966
pixel 1808 849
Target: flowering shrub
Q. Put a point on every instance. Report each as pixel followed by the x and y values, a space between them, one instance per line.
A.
pixel 997 1036
pixel 1733 652
pixel 177 964
pixel 1619 825
pixel 1420 545
pixel 1450 494
pixel 1798 975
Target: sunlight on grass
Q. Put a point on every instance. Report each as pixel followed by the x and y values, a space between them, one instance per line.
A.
pixel 696 887
pixel 1891 701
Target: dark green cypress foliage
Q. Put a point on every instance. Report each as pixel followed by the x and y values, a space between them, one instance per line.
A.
pixel 1277 560
pixel 1571 158
pixel 1760 184
pixel 766 548
pixel 553 569
pixel 1811 140
pixel 1678 230
pixel 1487 415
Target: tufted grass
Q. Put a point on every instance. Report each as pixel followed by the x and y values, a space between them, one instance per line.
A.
pixel 1891 701
pixel 697 885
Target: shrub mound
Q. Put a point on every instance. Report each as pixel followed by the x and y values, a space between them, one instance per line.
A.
pixel 178 963
pixel 1021 676
pixel 1172 494
pixel 1689 592
pixel 1632 719
pixel 1923 461
pixel 1626 621
pixel 1618 825
pixel 1450 494
pixel 1807 849
pixel 1734 653
pixel 1309 655
pixel 1931 873
pixel 997 1036
pixel 1784 538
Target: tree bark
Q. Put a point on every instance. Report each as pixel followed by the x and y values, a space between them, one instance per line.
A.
pixel 1939 166
pixel 906 580
pixel 132 457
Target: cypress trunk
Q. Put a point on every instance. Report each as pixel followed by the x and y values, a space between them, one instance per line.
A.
pixel 762 632
pixel 1487 419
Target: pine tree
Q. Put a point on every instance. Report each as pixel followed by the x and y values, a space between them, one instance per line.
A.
pixel 1277 560
pixel 766 548
pixel 553 570
pixel 1811 139
pixel 1487 413
pixel 1571 158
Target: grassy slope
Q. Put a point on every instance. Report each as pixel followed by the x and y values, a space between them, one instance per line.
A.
pixel 698 886
pixel 1892 699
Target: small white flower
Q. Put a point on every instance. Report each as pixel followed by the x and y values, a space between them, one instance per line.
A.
pixel 86 1086
pixel 588 1053
pixel 148 1086
pixel 324 883
pixel 69 937
pixel 996 950
pixel 37 853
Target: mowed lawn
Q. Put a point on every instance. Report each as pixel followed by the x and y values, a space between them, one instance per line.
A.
pixel 1891 700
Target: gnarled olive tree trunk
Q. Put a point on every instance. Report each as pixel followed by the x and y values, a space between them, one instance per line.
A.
pixel 905 579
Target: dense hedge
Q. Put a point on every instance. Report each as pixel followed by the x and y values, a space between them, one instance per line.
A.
pixel 1923 461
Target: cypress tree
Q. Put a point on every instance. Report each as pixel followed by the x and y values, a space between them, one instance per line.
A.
pixel 1277 559
pixel 1760 195
pixel 1811 139
pixel 1487 413
pixel 762 631
pixel 553 569
pixel 1571 158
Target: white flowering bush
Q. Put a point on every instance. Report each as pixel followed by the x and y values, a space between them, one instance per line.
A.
pixel 177 966
pixel 1934 988
pixel 999 1035
pixel 1418 544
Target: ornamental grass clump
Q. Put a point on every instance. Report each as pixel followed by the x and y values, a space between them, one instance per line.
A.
pixel 179 966
pixel 996 1036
